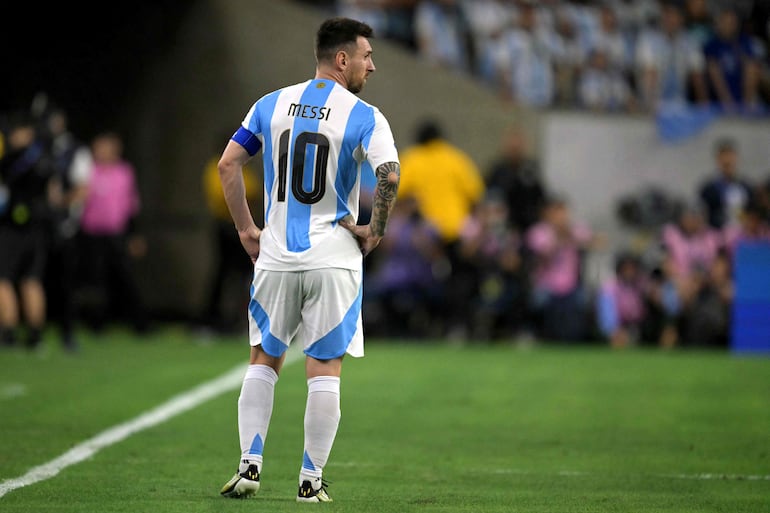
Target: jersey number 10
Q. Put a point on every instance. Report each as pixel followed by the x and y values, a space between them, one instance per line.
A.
pixel 298 166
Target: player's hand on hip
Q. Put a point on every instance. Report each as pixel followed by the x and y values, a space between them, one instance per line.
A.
pixel 250 241
pixel 367 241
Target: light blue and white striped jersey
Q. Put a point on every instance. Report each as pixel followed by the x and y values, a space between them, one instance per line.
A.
pixel 317 138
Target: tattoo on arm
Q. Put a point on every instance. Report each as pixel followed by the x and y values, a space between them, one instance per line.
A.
pixel 388 176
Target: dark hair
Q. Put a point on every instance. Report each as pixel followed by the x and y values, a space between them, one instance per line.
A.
pixel 625 257
pixel 337 32
pixel 725 144
pixel 428 130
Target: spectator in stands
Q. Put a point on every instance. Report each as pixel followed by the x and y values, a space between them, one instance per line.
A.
pixel 617 47
pixel 585 17
pixel 635 16
pixel 733 61
pixel 517 176
pixel 371 12
pixel 698 21
pixel 492 249
pixel 621 311
pixel 727 193
pixel 442 34
pixel 111 240
pixel 526 60
pixel 559 297
pixel 691 263
pixel 403 289
pixel 603 87
pixel 447 185
pixel 669 63
pixel 487 19
pixel 570 56
pixel 25 174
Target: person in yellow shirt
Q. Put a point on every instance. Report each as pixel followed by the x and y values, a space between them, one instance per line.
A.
pixel 231 266
pixel 443 178
pixel 448 186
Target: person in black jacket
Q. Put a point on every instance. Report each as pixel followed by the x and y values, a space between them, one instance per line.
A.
pixel 726 194
pixel 25 176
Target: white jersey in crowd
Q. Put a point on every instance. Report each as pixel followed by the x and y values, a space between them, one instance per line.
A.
pixel 317 138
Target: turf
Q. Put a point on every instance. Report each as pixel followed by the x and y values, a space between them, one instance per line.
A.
pixel 425 427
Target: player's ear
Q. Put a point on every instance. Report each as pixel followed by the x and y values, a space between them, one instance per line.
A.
pixel 341 59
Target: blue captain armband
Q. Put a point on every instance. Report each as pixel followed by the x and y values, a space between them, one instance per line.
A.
pixel 249 141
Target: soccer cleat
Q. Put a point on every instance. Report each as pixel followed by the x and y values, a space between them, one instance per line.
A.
pixel 309 494
pixel 243 484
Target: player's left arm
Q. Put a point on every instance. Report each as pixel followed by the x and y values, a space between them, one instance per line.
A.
pixel 383 157
pixel 388 176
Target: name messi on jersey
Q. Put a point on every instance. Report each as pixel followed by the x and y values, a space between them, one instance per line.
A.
pixel 309 111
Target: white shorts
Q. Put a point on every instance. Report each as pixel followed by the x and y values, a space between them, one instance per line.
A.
pixel 321 308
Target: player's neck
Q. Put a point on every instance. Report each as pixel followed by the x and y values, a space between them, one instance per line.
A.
pixel 335 75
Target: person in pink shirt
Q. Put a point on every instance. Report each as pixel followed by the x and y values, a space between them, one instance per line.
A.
pixel 108 231
pixel 556 245
pixel 621 302
pixel 693 264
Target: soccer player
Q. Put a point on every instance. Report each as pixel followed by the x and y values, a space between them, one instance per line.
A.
pixel 317 138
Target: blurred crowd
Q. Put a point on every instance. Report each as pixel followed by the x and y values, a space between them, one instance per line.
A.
pixel 68 230
pixel 608 55
pixel 484 255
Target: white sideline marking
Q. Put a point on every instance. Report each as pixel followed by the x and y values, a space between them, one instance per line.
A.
pixel 171 408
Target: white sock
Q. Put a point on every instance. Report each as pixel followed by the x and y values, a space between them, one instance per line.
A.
pixel 255 406
pixel 322 417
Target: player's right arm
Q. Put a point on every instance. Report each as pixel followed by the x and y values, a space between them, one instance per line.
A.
pixel 230 168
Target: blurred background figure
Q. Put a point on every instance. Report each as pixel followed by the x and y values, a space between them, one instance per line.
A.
pixel 733 61
pixel 516 175
pixel 442 34
pixel 698 21
pixel 72 163
pixel 754 226
pixel 602 87
pixel 669 64
pixel 496 295
pixel 621 303
pixel 447 185
pixel 487 19
pixel 404 284
pixel 390 19
pixel 693 268
pixel 110 238
pixel 527 58
pixel 559 295
pixel 726 193
pixel 231 273
pixel 25 216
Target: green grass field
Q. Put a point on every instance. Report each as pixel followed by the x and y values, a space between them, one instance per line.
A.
pixel 425 427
